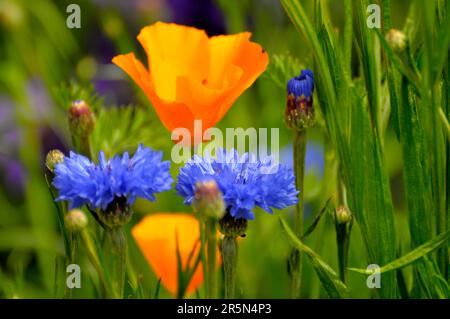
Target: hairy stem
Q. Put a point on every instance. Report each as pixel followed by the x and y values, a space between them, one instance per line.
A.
pixel 229 258
pixel 119 253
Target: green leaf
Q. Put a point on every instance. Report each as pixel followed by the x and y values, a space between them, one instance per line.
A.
pixel 370 62
pixel 330 280
pixel 369 195
pixel 415 173
pixel 316 220
pixel 157 289
pixel 119 129
pixel 407 70
pixel 282 68
pixel 69 92
pixel 410 257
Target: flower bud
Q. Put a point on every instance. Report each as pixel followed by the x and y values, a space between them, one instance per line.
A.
pixel 396 40
pixel 81 119
pixel 53 158
pixel 117 214
pixel 76 220
pixel 343 215
pixel 232 227
pixel 299 114
pixel 208 201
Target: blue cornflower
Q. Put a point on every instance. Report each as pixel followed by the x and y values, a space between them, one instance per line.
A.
pixel 244 182
pixel 299 114
pixel 302 85
pixel 80 181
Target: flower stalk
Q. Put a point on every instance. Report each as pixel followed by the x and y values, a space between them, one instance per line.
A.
pixel 299 152
pixel 208 205
pixel 229 258
pixel 118 252
pixel 299 116
pixel 231 228
pixel 343 223
pixel 211 248
pixel 203 255
pixel 95 261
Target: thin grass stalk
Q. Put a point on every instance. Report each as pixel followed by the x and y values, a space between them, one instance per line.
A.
pixel 95 261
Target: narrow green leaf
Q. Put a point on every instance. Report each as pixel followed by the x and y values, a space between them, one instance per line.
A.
pixel 410 257
pixel 407 70
pixel 157 289
pixel 328 277
pixel 316 220
pixel 370 198
pixel 445 123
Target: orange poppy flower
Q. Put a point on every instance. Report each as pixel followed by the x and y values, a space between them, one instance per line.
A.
pixel 156 237
pixel 193 77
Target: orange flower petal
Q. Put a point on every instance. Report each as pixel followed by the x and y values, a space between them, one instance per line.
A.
pixel 239 51
pixel 193 77
pixel 156 237
pixel 174 50
pixel 164 109
pixel 204 102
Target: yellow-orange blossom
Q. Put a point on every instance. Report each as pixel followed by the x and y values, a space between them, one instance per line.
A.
pixel 156 236
pixel 193 77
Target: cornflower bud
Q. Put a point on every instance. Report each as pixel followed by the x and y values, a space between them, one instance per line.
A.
pixel 208 201
pixel 299 114
pixel 53 158
pixel 76 220
pixel 81 119
pixel 396 40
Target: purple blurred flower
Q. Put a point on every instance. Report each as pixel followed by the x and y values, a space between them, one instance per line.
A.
pixel 12 177
pixel 202 14
pixel 38 95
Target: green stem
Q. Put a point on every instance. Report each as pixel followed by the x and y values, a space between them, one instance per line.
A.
pixel 119 253
pixel 95 261
pixel 211 242
pixel 445 123
pixel 203 255
pixel 85 147
pixel 343 241
pixel 82 145
pixel 70 260
pixel 229 259
pixel 348 35
pixel 299 150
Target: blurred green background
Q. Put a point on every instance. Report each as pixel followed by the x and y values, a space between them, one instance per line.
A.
pixel 44 65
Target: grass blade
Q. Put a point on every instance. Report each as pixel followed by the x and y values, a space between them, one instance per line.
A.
pixel 410 257
pixel 330 280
